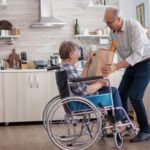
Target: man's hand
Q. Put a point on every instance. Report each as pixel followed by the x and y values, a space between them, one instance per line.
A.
pixel 109 68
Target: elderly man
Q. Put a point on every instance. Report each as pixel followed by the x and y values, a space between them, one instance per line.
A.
pixel 134 49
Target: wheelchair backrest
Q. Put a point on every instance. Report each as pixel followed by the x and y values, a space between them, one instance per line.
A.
pixel 61 80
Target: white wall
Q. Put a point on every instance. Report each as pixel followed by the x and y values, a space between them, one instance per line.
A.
pixel 128 8
pixel 147 10
pixel 41 43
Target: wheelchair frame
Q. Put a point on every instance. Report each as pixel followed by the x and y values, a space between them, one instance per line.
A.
pixel 81 127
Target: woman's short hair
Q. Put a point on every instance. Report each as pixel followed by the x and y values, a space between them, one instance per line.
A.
pixel 66 47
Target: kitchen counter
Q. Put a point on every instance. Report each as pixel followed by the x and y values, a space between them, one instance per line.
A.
pixel 29 70
pixel 22 70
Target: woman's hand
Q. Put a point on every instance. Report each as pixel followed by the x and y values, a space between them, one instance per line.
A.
pixel 89 59
pixel 104 83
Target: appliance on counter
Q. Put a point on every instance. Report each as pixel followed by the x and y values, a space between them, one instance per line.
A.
pixel 40 64
pixel 2 64
pixel 55 59
pixel 24 64
pixel 23 58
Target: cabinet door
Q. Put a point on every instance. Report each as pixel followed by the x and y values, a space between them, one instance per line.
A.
pixel 1 98
pixel 26 97
pixel 10 96
pixel 45 90
pixel 19 97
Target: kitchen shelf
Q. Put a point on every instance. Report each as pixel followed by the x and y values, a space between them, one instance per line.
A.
pixel 8 39
pixel 91 36
pixel 98 6
pixel 9 36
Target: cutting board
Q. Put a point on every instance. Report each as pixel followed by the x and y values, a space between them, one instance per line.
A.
pixel 14 60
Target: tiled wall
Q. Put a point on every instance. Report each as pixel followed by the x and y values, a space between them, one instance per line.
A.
pixel 41 43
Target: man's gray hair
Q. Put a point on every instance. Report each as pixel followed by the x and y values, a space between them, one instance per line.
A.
pixel 116 12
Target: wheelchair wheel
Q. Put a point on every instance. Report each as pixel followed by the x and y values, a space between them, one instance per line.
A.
pixel 47 109
pixel 74 123
pixel 118 139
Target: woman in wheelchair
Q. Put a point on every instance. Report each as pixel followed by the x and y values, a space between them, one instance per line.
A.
pixel 68 51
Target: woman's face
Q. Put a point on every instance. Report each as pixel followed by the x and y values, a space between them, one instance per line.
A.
pixel 74 56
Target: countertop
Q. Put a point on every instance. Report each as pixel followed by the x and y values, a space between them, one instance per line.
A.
pixel 22 70
pixel 29 70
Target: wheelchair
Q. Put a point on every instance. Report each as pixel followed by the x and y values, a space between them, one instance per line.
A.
pixel 74 122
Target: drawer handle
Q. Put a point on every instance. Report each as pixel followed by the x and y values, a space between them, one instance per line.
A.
pixel 31 81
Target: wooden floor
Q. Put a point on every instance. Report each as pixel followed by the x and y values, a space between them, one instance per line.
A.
pixel 34 137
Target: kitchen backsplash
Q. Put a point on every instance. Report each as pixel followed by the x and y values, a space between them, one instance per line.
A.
pixel 41 43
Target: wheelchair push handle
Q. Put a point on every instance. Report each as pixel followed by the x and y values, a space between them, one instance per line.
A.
pixel 87 79
pixel 53 68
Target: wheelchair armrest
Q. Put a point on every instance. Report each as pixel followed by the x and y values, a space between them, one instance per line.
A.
pixel 53 68
pixel 87 79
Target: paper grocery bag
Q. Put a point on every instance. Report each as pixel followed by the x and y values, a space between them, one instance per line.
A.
pixel 100 58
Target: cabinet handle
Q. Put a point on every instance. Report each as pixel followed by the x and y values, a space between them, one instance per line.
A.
pixel 31 81
pixel 37 81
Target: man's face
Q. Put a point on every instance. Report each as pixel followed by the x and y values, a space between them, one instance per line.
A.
pixel 112 23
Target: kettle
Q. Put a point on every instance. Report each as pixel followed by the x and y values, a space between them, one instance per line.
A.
pixel 24 57
pixel 55 59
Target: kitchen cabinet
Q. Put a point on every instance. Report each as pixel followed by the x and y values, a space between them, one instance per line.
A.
pixel 26 94
pixel 1 99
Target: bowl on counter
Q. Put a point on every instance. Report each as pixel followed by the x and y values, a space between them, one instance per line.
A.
pixel 40 64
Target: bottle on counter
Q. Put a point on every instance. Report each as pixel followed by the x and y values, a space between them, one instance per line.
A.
pixel 76 28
